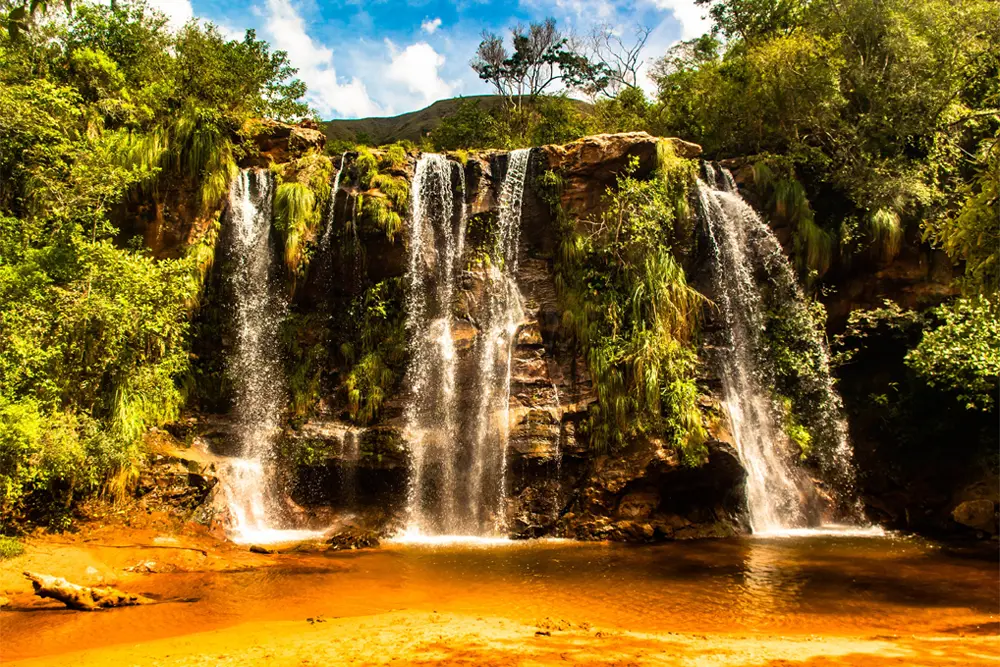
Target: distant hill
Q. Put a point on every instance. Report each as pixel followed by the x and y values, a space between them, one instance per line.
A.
pixel 413 126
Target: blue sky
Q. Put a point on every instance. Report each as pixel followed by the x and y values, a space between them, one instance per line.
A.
pixel 382 57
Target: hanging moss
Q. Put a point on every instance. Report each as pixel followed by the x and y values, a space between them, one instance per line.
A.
pixel 784 199
pixel 378 212
pixel 375 349
pixel 295 217
pixel 396 189
pixel 626 300
pixel 394 157
pixel 886 233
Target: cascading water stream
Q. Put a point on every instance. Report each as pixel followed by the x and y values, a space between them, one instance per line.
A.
pixel 254 365
pixel 501 316
pixel 457 418
pixel 431 414
pixel 331 215
pixel 780 496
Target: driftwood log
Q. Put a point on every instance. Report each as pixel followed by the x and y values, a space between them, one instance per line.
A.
pixel 82 598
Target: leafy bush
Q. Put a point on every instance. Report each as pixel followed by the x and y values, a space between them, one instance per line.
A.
pixel 96 109
pixel 10 547
pixel 375 349
pixel 394 157
pixel 960 354
pixel 626 299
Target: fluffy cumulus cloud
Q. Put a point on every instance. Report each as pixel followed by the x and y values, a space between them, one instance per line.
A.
pixel 178 12
pixel 286 30
pixel 692 18
pixel 417 68
pixel 430 26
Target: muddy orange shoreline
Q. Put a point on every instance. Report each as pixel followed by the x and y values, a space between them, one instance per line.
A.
pixel 721 602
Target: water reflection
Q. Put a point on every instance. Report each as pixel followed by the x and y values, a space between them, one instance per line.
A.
pixel 821 584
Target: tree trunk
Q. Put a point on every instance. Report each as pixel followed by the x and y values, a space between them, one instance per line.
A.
pixel 82 598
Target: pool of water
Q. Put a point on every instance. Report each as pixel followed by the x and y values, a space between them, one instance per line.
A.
pixel 815 584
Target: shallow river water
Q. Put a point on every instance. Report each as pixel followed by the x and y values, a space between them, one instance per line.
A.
pixel 792 585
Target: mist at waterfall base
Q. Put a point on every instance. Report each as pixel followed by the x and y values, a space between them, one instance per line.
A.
pixel 248 488
pixel 782 500
pixel 457 414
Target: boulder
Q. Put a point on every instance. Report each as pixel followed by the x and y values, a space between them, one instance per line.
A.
pixel 977 514
pixel 354 538
pixel 179 479
pixel 588 166
pixel 281 142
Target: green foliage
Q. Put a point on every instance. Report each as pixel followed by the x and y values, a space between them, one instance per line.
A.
pixel 386 198
pixel 557 120
pixel 365 168
pixel 785 200
pixel 628 111
pixel 94 109
pixel 10 547
pixel 303 338
pixel 469 126
pixel 886 233
pixel 628 304
pixel 543 120
pixel 972 233
pixel 376 349
pixel 797 434
pixel 960 354
pixel 954 348
pixel 875 107
pixel 889 321
pixel 378 212
pixel 295 217
pixel 396 189
pixel 394 157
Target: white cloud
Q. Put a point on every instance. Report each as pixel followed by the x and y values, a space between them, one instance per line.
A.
pixel 178 12
pixel 286 31
pixel 693 19
pixel 430 25
pixel 417 68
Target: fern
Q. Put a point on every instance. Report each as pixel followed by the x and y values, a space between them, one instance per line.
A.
pixel 295 216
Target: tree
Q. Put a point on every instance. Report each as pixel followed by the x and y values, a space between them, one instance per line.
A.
pixel 972 234
pixel 754 20
pixel 541 58
pixel 616 62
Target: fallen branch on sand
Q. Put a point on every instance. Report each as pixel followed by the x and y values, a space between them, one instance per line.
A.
pixel 82 598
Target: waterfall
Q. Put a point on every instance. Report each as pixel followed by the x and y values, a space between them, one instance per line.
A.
pixel 254 365
pixel 780 495
pixel 501 315
pixel 457 418
pixel 431 414
pixel 331 213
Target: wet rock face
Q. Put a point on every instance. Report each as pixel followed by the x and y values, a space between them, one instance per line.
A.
pixel 646 494
pixel 280 142
pixel 178 479
pixel 979 515
pixel 555 484
pixel 592 164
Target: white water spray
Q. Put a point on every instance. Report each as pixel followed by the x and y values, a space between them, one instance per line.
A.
pixel 780 496
pixel 249 489
pixel 457 422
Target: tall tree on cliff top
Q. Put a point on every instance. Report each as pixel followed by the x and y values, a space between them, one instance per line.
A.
pixel 542 57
